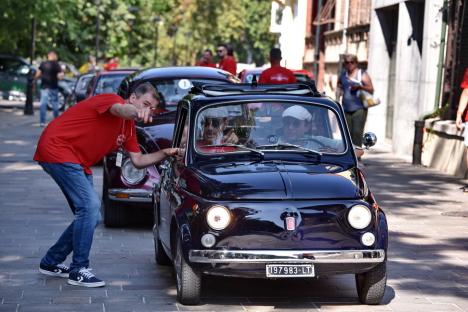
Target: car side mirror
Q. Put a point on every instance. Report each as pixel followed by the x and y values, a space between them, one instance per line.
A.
pixel 369 139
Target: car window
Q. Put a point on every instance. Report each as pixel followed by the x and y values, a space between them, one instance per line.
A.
pixel 82 84
pixel 269 126
pixel 108 83
pixel 173 90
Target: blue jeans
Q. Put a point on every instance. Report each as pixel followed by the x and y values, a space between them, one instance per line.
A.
pixel 85 205
pixel 46 96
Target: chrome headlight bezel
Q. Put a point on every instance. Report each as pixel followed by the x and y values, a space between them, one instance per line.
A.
pixel 130 174
pixel 218 217
pixel 359 217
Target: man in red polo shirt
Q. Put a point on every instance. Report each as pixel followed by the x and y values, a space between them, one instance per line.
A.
pixel 66 150
pixel 226 62
pixel 460 122
pixel 206 59
pixel 276 74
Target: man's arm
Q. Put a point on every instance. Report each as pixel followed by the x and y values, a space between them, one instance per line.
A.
pixel 128 111
pixel 461 107
pixel 141 161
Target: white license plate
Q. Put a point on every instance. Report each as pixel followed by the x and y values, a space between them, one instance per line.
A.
pixel 290 270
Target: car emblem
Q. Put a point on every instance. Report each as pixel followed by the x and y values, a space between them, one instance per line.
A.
pixel 290 223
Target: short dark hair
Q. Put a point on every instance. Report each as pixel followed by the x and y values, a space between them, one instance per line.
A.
pixel 144 88
pixel 223 45
pixel 275 54
pixel 209 51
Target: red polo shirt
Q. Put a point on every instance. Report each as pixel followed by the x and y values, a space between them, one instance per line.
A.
pixel 228 63
pixel 464 85
pixel 205 64
pixel 277 75
pixel 85 133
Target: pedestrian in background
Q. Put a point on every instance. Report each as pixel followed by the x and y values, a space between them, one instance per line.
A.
pixel 66 150
pixel 351 81
pixel 276 74
pixel 226 62
pixel 112 63
pixel 206 60
pixel 463 122
pixel 89 67
pixel 50 72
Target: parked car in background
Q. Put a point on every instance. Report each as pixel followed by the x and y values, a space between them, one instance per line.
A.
pixel 127 191
pixel 14 71
pixel 100 82
pixel 247 75
pixel 282 198
pixel 303 75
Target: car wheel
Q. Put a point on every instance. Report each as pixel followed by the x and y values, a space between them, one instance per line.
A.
pixel 113 212
pixel 371 284
pixel 188 280
pixel 160 255
pixel 61 101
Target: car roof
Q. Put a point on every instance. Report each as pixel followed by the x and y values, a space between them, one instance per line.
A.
pixel 14 57
pixel 183 71
pixel 303 92
pixel 116 72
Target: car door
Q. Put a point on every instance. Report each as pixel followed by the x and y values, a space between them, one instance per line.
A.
pixel 170 199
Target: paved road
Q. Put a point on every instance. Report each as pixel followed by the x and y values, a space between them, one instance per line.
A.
pixel 428 252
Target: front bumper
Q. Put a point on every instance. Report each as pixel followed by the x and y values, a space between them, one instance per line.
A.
pixel 287 256
pixel 131 195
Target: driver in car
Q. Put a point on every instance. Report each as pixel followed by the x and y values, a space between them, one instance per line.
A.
pixel 215 131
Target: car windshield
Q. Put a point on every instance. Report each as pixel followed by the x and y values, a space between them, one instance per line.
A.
pixel 269 127
pixel 109 83
pixel 173 90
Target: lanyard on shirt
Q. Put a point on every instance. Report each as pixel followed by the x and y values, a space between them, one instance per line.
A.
pixel 120 142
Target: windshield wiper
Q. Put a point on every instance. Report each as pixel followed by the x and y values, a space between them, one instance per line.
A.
pixel 238 146
pixel 283 145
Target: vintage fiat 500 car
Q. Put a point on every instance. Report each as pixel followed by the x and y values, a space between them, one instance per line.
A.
pixel 268 186
pixel 127 191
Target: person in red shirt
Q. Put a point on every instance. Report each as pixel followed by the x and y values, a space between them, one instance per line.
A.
pixel 206 59
pixel 463 122
pixel 276 74
pixel 113 63
pixel 66 150
pixel 226 62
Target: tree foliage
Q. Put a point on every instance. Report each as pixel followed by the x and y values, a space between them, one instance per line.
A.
pixel 138 31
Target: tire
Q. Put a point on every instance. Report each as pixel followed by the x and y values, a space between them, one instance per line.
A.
pixel 160 255
pixel 371 284
pixel 61 101
pixel 114 214
pixel 188 280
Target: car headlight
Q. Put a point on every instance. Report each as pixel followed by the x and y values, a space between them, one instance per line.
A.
pixel 218 217
pixel 130 174
pixel 359 217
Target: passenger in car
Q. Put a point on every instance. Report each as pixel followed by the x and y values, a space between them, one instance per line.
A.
pixel 297 130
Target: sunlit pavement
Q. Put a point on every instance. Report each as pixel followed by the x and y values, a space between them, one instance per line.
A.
pixel 428 252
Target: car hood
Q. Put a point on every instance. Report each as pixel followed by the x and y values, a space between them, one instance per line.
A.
pixel 275 181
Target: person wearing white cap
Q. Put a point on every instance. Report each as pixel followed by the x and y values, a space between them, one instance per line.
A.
pixel 296 130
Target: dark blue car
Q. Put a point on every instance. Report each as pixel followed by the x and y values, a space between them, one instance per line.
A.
pixel 268 187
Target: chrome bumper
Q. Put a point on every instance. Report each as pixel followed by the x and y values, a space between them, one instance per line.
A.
pixel 287 256
pixel 131 195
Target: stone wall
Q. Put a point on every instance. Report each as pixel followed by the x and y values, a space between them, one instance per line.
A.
pixel 443 148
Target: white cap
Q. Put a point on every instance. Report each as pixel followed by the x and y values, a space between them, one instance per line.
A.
pixel 297 112
pixel 215 112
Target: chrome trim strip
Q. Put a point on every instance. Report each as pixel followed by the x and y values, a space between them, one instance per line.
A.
pixel 134 195
pixel 287 256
